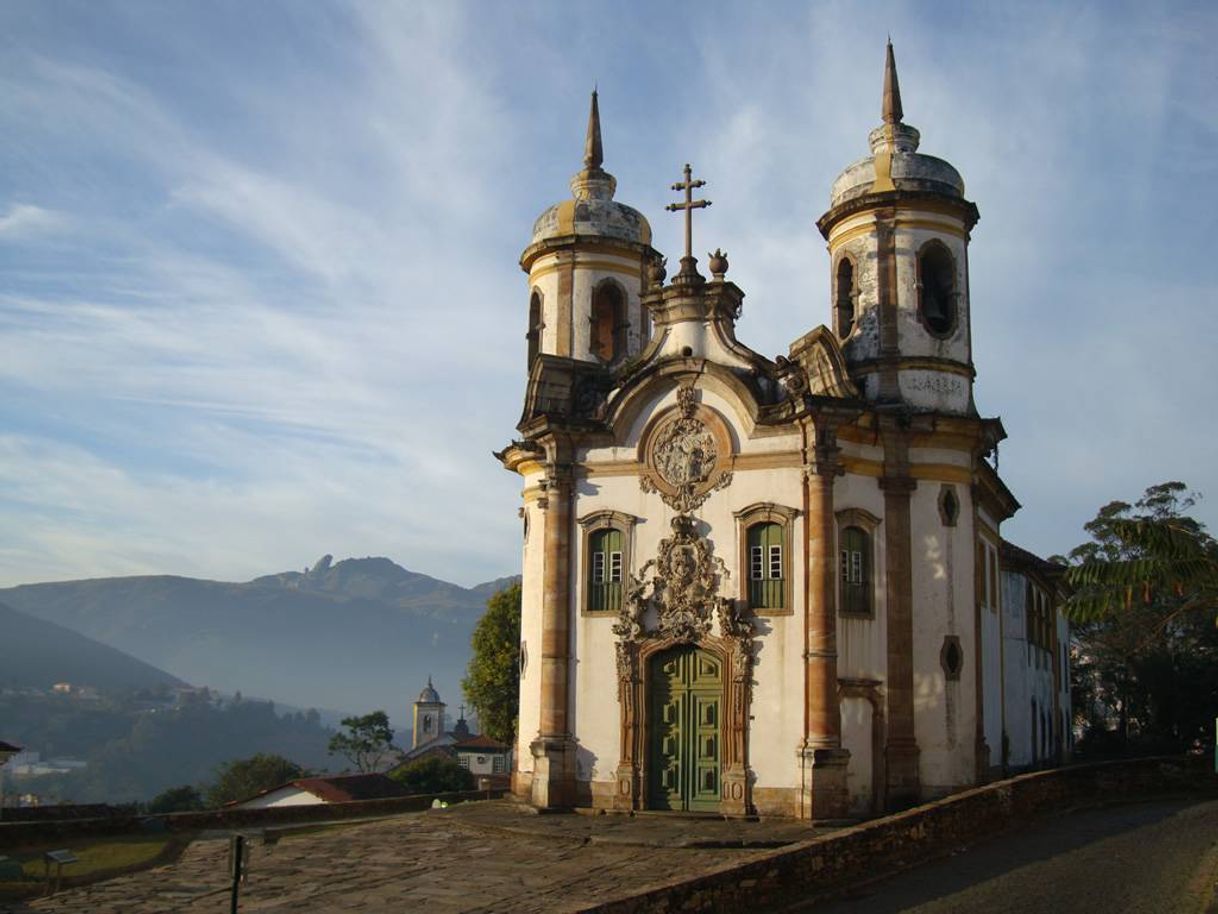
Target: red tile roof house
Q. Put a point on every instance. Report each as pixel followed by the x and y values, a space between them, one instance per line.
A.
pixel 336 789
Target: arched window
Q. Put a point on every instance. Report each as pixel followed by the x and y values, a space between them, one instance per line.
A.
pixel 608 339
pixel 767 566
pixel 845 297
pixel 856 571
pixel 605 570
pixel 937 288
pixel 535 325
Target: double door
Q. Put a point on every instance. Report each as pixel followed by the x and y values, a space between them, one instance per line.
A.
pixel 685 688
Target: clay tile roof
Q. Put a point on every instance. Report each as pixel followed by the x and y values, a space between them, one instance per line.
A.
pixel 1018 559
pixel 484 743
pixel 348 787
pixel 8 747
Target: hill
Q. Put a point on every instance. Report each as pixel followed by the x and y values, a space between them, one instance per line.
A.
pixel 359 634
pixel 34 652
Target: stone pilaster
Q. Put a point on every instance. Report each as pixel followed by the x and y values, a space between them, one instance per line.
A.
pixel 553 784
pixel 901 754
pixel 823 760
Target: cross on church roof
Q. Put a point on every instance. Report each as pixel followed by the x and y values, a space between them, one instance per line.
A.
pixel 688 262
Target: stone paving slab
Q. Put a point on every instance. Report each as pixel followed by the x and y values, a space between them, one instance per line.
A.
pixel 479 857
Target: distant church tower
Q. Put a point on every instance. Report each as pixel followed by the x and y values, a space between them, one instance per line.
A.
pixel 587 263
pixel 898 231
pixel 428 716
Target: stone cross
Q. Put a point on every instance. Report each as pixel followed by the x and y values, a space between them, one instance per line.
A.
pixel 690 204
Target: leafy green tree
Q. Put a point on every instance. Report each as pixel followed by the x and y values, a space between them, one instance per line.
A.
pixel 1145 589
pixel 366 742
pixel 176 799
pixel 433 774
pixel 492 679
pixel 243 778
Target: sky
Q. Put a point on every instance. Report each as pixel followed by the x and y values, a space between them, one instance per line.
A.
pixel 259 290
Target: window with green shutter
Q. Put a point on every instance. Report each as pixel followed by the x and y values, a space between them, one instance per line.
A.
pixel 856 571
pixel 767 566
pixel 605 570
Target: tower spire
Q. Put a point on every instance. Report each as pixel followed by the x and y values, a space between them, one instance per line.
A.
pixel 594 153
pixel 892 112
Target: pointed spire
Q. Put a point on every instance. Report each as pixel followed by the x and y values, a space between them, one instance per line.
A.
pixel 594 154
pixel 892 89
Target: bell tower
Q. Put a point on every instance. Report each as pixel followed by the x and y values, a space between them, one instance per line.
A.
pixel 587 264
pixel 898 230
pixel 428 717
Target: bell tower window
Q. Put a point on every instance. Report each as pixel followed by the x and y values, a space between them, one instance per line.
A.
pixel 608 338
pixel 937 289
pixel 845 297
pixel 534 334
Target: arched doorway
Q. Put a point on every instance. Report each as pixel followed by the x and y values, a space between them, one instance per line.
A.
pixel 685 688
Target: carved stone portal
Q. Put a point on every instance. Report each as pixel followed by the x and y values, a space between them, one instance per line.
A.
pixel 685 456
pixel 674 601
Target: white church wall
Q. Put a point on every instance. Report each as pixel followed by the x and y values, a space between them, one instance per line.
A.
pixel 944 710
pixel 532 568
pixel 991 669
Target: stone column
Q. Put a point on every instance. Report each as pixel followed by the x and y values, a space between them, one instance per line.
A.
pixel 901 754
pixel 822 757
pixel 554 749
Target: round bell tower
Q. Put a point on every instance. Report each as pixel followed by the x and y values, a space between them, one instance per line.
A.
pixel 587 266
pixel 898 230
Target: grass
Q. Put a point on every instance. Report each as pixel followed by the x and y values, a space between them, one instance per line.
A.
pixel 98 858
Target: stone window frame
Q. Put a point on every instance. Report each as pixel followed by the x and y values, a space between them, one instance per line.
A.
pixel 621 323
pixel 848 257
pixel 950 642
pixel 603 519
pixel 954 295
pixel 946 517
pixel 870 525
pixel 766 512
pixel 536 324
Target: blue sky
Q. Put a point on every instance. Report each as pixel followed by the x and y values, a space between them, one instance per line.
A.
pixel 259 298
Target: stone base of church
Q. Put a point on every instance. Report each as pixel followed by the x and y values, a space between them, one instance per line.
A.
pixel 522 785
pixel 735 795
pixel 824 777
pixel 904 784
pixel 553 783
pixel 777 802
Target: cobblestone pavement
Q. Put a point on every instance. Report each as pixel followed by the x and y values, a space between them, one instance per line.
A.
pixel 481 857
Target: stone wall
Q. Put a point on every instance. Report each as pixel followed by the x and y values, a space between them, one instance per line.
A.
pixel 22 834
pixel 818 866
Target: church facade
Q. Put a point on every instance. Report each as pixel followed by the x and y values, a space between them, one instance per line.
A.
pixel 756 586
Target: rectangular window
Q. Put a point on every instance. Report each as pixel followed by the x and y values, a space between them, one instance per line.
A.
pixel 463 761
pixel 615 567
pixel 498 765
pixel 776 561
pixel 755 564
pixel 598 568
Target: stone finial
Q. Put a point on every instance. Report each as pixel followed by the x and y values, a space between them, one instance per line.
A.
pixel 717 263
pixel 594 153
pixel 891 112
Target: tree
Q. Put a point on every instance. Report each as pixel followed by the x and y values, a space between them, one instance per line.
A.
pixel 367 741
pixel 1144 591
pixel 176 799
pixel 243 778
pixel 492 679
pixel 433 774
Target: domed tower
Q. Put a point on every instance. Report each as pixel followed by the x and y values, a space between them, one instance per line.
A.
pixel 898 230
pixel 428 717
pixel 587 266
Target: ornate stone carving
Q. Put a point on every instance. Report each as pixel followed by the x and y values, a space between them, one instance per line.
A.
pixel 685 456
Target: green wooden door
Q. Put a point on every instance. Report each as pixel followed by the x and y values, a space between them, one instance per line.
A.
pixel 685 706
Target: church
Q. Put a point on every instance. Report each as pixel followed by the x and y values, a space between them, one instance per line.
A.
pixel 771 587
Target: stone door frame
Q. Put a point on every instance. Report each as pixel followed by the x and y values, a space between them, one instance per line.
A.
pixel 634 694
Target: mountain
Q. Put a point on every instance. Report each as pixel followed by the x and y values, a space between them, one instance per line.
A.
pixel 37 653
pixel 360 634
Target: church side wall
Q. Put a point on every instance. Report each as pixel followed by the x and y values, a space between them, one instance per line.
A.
pixel 944 708
pixel 862 643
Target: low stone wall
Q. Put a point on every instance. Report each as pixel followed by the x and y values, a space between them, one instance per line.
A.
pixel 863 851
pixel 24 834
